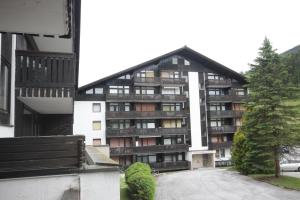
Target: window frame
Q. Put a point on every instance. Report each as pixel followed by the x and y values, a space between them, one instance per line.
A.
pixel 93 125
pixel 93 107
pixel 5 114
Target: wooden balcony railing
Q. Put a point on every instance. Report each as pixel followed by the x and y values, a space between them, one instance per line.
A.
pixel 227 98
pixel 225 113
pixel 219 145
pixel 222 129
pixel 218 83
pixel 40 155
pixel 131 132
pixel 169 166
pixel 145 98
pixel 45 70
pixel 117 151
pixel 145 115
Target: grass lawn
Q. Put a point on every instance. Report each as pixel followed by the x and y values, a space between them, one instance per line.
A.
pixel 123 189
pixel 283 181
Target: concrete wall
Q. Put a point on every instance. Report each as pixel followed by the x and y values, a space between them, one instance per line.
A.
pixel 84 186
pixel 100 186
pixel 83 119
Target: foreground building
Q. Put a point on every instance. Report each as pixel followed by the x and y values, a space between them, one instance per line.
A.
pixel 40 156
pixel 177 111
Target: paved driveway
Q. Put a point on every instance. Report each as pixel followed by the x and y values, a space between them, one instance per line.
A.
pixel 217 184
pixel 293 174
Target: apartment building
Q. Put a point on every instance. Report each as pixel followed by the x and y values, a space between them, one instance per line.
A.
pixel 177 111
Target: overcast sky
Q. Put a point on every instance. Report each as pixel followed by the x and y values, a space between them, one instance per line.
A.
pixel 116 35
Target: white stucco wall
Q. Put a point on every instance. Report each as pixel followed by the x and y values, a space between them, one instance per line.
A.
pixel 195 116
pixel 95 186
pixel 83 121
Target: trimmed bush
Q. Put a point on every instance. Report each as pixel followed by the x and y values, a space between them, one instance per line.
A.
pixel 141 183
pixel 137 167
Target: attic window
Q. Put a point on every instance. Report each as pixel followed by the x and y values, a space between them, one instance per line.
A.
pixel 186 62
pixel 174 60
pixel 90 91
pixel 98 90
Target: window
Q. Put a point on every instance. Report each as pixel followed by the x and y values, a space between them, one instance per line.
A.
pixel 171 107
pixel 170 90
pixel 90 91
pixel 212 76
pixel 114 107
pixel 96 107
pixel 146 141
pixel 145 124
pixel 127 107
pixel 216 92
pixel 170 74
pixel 152 159
pixel 145 74
pixel 120 124
pixel 113 89
pixel 144 90
pixel 180 157
pixel 215 122
pixel 98 90
pixel 96 142
pixel 174 60
pixel 127 76
pixel 96 125
pixel 240 92
pixel 222 153
pixel 213 107
pixel 186 62
pixel 167 141
pixel 171 123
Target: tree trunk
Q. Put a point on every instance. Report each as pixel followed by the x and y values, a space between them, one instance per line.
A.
pixel 277 165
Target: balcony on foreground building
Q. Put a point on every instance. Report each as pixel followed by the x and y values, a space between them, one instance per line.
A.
pixel 145 115
pixel 145 98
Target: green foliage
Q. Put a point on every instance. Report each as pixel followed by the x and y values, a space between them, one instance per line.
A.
pixel 137 167
pixel 238 153
pixel 291 59
pixel 141 183
pixel 269 124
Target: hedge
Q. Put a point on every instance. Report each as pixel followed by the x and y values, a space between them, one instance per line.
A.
pixel 141 183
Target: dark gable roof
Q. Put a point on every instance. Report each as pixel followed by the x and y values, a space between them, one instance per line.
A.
pixel 185 52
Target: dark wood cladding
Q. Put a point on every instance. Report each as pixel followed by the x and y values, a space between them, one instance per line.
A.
pixel 117 151
pixel 169 166
pixel 145 98
pixel 225 113
pixel 220 145
pixel 227 98
pixel 222 129
pixel 45 69
pixel 156 81
pixel 132 132
pixel 145 115
pixel 40 155
pixel 218 83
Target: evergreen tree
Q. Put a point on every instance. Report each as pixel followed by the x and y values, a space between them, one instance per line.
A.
pixel 239 150
pixel 269 124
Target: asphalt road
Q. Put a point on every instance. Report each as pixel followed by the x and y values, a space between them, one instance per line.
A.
pixel 217 184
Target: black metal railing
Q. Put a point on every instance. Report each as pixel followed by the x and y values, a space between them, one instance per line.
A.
pixel 227 98
pixel 225 113
pixel 116 151
pixel 218 83
pixel 145 115
pixel 131 132
pixel 219 145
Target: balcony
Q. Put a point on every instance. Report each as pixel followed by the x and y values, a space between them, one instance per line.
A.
pixel 225 113
pixel 222 129
pixel 45 74
pixel 155 132
pixel 172 81
pixel 227 98
pixel 219 145
pixel 169 166
pixel 118 151
pixel 145 98
pixel 138 81
pixel 145 115
pixel 218 83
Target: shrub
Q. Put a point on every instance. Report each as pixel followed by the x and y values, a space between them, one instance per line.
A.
pixel 137 167
pixel 141 183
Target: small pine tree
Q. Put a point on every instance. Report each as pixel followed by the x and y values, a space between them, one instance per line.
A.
pixel 239 150
pixel 268 122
